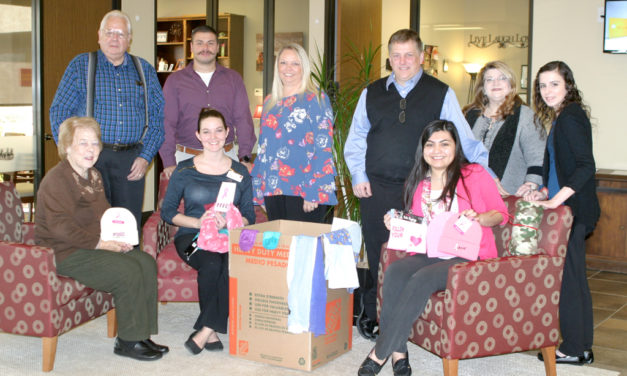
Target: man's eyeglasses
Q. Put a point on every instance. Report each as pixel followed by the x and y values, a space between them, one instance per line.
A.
pixel 401 115
pixel 112 33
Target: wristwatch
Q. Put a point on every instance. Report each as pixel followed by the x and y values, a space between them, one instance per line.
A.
pixel 245 159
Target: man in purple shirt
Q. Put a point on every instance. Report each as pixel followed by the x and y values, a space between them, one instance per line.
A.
pixel 204 83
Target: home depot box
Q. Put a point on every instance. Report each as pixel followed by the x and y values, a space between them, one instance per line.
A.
pixel 258 307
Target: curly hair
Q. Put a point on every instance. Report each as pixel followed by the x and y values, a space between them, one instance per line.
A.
pixel 546 113
pixel 512 100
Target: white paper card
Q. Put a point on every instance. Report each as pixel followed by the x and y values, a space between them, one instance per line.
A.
pixel 225 196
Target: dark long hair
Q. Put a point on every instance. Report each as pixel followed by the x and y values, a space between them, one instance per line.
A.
pixel 573 95
pixel 421 169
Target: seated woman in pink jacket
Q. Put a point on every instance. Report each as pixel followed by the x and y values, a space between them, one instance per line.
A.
pixel 441 180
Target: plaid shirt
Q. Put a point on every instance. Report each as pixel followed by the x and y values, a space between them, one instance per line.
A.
pixel 118 102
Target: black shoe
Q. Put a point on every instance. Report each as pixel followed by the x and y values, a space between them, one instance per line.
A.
pixel 154 346
pixel 368 328
pixel 214 346
pixel 191 345
pixel 369 367
pixel 401 367
pixel 139 351
pixel 588 356
pixel 567 359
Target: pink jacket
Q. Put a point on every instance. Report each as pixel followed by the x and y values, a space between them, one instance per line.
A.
pixel 478 192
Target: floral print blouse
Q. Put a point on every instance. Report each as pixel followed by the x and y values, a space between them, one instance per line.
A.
pixel 295 152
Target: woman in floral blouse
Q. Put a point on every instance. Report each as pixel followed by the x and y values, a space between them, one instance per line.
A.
pixel 294 172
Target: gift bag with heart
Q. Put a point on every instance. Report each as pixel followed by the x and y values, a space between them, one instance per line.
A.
pixel 407 236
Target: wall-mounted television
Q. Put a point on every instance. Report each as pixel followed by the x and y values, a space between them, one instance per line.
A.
pixel 615 32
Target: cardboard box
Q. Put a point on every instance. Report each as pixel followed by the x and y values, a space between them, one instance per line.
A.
pixel 258 307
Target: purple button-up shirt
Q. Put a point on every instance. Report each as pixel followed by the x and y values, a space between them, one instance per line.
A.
pixel 186 94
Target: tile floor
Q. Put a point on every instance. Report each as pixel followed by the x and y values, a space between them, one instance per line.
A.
pixel 609 303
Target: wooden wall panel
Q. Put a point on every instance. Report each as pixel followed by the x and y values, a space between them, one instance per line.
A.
pixel 359 23
pixel 69 27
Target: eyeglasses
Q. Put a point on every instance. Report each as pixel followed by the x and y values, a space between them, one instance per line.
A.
pixel 112 33
pixel 491 80
pixel 403 106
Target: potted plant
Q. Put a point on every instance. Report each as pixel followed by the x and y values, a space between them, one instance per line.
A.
pixel 344 100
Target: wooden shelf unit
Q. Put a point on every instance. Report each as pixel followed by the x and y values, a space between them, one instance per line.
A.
pixel 177 48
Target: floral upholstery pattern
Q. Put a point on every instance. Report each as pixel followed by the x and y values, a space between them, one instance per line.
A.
pixel 176 279
pixel 34 300
pixel 496 306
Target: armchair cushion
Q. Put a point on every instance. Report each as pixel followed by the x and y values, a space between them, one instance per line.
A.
pixel 11 213
pixel 36 301
pixel 176 279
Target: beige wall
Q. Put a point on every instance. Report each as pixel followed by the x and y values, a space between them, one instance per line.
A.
pixel 395 16
pixel 576 37
pixel 142 14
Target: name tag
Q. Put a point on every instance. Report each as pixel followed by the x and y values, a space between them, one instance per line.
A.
pixel 235 176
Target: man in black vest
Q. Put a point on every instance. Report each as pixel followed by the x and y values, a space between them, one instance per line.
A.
pixel 388 121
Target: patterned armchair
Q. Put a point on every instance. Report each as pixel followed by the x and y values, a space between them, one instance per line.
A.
pixel 176 279
pixel 498 306
pixel 34 300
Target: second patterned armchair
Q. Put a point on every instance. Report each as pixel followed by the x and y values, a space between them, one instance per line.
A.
pixel 497 306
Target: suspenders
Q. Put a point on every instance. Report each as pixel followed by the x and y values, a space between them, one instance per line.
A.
pixel 91 85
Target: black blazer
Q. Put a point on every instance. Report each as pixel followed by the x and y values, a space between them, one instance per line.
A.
pixel 574 163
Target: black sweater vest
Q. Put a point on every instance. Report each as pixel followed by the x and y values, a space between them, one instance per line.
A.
pixel 392 144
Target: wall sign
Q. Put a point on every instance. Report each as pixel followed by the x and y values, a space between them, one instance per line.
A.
pixel 502 41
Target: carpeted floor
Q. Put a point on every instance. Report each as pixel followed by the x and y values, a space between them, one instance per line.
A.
pixel 87 351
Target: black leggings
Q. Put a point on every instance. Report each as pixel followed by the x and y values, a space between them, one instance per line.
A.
pixel 213 284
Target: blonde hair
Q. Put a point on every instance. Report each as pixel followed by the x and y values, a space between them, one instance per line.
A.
pixel 305 85
pixel 512 100
pixel 68 128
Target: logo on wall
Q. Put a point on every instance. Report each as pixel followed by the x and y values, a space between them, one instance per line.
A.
pixel 502 41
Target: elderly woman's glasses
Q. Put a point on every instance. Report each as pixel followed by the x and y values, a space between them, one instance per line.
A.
pixel 490 80
pixel 401 115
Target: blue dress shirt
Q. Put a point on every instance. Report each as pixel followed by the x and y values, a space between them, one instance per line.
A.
pixel 355 147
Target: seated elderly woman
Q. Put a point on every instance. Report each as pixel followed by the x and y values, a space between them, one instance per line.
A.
pixel 508 129
pixel 441 180
pixel 70 203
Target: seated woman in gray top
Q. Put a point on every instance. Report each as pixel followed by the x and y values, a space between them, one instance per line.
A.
pixel 508 129
pixel 197 181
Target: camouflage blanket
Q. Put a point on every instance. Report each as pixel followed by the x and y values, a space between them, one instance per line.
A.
pixel 525 228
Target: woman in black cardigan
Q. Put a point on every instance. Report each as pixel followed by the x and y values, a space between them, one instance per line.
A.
pixel 569 170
